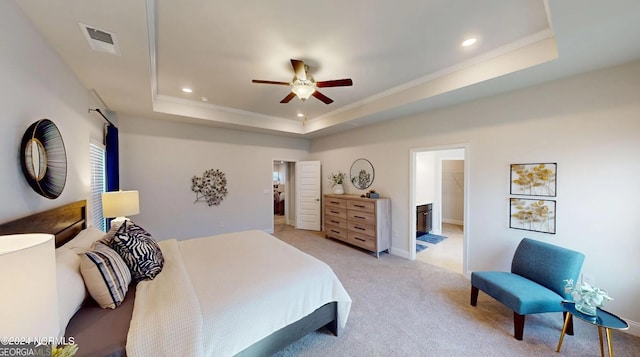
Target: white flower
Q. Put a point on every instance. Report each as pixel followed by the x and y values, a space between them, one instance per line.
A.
pixel 587 293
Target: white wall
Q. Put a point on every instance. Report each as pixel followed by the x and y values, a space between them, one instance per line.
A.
pixel 453 191
pixel 36 84
pixel 588 124
pixel 425 177
pixel 159 158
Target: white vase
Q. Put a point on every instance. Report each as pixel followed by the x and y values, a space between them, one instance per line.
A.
pixel 338 189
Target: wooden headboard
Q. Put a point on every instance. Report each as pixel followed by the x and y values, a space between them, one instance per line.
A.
pixel 64 222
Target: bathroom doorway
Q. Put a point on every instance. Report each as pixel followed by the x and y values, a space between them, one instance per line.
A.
pixel 438 206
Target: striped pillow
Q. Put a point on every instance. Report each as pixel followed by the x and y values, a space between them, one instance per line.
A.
pixel 106 276
pixel 139 251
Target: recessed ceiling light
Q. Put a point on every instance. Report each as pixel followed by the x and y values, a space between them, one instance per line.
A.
pixel 187 90
pixel 468 42
pixel 300 115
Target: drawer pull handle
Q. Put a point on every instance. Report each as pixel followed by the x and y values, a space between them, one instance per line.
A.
pixel 359 217
pixel 336 212
pixel 336 222
pixel 360 239
pixel 359 206
pixel 335 202
pixel 334 231
pixel 360 228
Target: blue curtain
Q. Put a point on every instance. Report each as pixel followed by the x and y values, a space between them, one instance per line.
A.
pixel 112 161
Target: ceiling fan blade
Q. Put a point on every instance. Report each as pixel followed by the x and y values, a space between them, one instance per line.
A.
pixel 335 83
pixel 269 82
pixel 322 97
pixel 298 67
pixel 288 98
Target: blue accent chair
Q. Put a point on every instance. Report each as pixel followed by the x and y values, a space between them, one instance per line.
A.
pixel 535 283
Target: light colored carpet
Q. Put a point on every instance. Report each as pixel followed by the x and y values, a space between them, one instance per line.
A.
pixel 411 308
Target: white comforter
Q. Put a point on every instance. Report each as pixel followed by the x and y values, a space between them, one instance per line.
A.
pixel 218 295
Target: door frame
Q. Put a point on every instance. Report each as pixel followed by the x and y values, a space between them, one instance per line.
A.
pixel 412 199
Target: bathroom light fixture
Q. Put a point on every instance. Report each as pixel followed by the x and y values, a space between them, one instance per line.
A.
pixel 187 90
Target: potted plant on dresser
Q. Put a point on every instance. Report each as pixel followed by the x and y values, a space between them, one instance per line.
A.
pixel 337 181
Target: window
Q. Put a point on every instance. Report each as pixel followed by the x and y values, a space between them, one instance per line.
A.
pixel 96 161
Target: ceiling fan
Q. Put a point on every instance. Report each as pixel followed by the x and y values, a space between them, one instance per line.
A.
pixel 304 85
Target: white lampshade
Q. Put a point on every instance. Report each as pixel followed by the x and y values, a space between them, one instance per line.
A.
pixel 29 299
pixel 120 204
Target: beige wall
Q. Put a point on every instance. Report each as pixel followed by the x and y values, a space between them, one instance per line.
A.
pixel 159 158
pixel 453 191
pixel 588 124
pixel 36 84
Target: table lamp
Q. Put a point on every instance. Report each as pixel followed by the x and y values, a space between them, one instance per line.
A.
pixel 119 204
pixel 29 299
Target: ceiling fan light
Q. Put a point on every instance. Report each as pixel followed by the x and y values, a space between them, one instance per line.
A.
pixel 303 91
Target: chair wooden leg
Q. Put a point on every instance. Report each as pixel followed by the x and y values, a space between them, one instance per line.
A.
pixel 518 325
pixel 474 295
pixel 569 323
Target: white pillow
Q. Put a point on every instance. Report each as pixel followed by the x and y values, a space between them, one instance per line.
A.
pixel 84 240
pixel 71 289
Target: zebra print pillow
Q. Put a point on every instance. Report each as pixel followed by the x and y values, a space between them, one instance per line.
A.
pixel 139 251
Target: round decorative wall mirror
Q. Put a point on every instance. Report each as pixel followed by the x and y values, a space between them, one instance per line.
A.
pixel 361 174
pixel 43 158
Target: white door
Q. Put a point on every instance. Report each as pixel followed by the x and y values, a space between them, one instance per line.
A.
pixel 308 195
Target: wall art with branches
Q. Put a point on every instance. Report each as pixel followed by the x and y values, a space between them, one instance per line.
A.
pixel 210 188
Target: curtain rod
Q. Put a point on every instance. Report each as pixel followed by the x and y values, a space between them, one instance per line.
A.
pixel 100 112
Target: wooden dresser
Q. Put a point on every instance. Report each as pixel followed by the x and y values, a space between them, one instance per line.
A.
pixel 363 222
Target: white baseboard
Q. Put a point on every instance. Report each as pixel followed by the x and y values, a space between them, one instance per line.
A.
pixel 453 221
pixel 634 328
pixel 399 252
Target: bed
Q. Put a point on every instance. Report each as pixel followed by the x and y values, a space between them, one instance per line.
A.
pixel 244 293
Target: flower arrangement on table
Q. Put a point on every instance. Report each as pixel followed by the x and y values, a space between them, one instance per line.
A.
pixel 588 298
pixel 337 179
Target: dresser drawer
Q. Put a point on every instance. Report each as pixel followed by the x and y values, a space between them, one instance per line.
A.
pixel 362 241
pixel 362 206
pixel 335 212
pixel 335 232
pixel 335 202
pixel 361 217
pixel 336 221
pixel 361 228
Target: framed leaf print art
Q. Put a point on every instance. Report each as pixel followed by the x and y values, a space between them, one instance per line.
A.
pixel 533 179
pixel 533 215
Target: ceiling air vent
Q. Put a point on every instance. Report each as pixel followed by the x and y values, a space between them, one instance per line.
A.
pixel 101 40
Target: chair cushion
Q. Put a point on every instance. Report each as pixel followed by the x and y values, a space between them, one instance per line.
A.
pixel 547 264
pixel 517 293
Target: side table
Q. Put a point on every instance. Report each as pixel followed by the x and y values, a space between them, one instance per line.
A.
pixel 603 319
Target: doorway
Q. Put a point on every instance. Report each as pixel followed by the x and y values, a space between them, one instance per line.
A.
pixel 283 195
pixel 438 206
